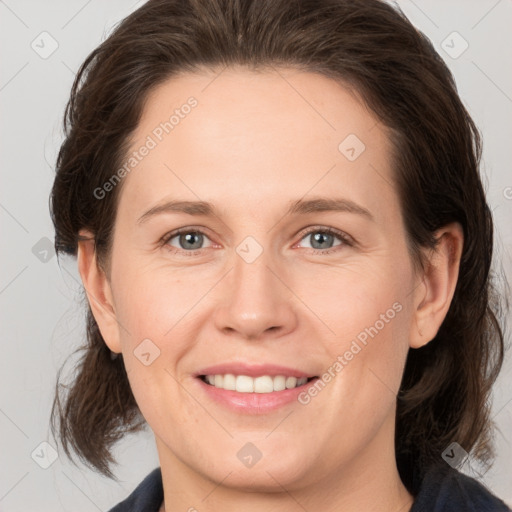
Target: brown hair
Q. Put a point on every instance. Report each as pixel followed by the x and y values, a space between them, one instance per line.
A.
pixel 373 48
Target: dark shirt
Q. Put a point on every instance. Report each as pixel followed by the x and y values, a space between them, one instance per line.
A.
pixel 443 489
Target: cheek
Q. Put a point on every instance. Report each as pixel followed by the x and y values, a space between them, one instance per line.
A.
pixel 361 300
pixel 153 302
pixel 367 364
pixel 367 310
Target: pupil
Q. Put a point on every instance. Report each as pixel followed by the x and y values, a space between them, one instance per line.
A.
pixel 188 239
pixel 320 237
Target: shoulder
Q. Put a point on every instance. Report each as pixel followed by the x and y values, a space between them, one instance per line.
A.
pixel 444 489
pixel 147 496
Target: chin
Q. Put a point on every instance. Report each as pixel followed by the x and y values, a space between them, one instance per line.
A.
pixel 270 473
pixel 268 479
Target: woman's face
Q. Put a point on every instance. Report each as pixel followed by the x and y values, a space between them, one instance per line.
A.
pixel 281 157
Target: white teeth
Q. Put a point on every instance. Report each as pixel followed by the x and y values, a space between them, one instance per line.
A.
pixel 246 384
pixel 291 382
pixel 279 383
pixel 229 382
pixel 263 384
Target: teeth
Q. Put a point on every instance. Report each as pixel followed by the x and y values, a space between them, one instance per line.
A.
pixel 246 384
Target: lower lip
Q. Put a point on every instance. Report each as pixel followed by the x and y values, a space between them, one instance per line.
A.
pixel 254 403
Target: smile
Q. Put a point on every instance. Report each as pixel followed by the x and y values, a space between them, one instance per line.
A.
pixel 247 384
pixel 258 395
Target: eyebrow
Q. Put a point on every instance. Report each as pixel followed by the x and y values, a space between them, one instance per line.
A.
pixel 298 207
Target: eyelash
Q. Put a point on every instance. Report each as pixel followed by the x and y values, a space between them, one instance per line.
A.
pixel 343 237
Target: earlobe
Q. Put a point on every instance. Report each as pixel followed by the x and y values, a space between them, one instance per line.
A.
pixel 98 290
pixel 434 294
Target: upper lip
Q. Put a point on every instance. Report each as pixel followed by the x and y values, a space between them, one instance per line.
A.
pixel 252 370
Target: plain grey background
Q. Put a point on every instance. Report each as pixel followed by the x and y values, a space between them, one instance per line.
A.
pixel 42 312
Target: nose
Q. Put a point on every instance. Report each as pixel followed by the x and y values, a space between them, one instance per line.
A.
pixel 256 301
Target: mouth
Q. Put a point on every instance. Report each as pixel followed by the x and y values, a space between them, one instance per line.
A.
pixel 248 395
pixel 253 388
pixel 261 384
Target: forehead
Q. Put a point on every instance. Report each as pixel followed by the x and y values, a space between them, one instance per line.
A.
pixel 236 134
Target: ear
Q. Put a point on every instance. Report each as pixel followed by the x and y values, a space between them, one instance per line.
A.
pixel 433 297
pixel 99 292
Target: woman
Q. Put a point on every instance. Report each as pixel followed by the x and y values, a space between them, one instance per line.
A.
pixel 285 246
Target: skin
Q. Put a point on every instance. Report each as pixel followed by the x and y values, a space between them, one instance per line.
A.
pixel 252 146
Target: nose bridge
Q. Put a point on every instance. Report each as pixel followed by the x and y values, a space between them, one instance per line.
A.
pixel 256 300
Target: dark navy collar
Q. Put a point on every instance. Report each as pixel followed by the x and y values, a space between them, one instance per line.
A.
pixel 444 489
pixel 147 497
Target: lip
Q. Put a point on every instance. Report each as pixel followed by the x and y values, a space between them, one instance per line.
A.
pixel 253 370
pixel 251 403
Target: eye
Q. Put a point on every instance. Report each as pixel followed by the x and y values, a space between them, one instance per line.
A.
pixel 188 240
pixel 321 238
